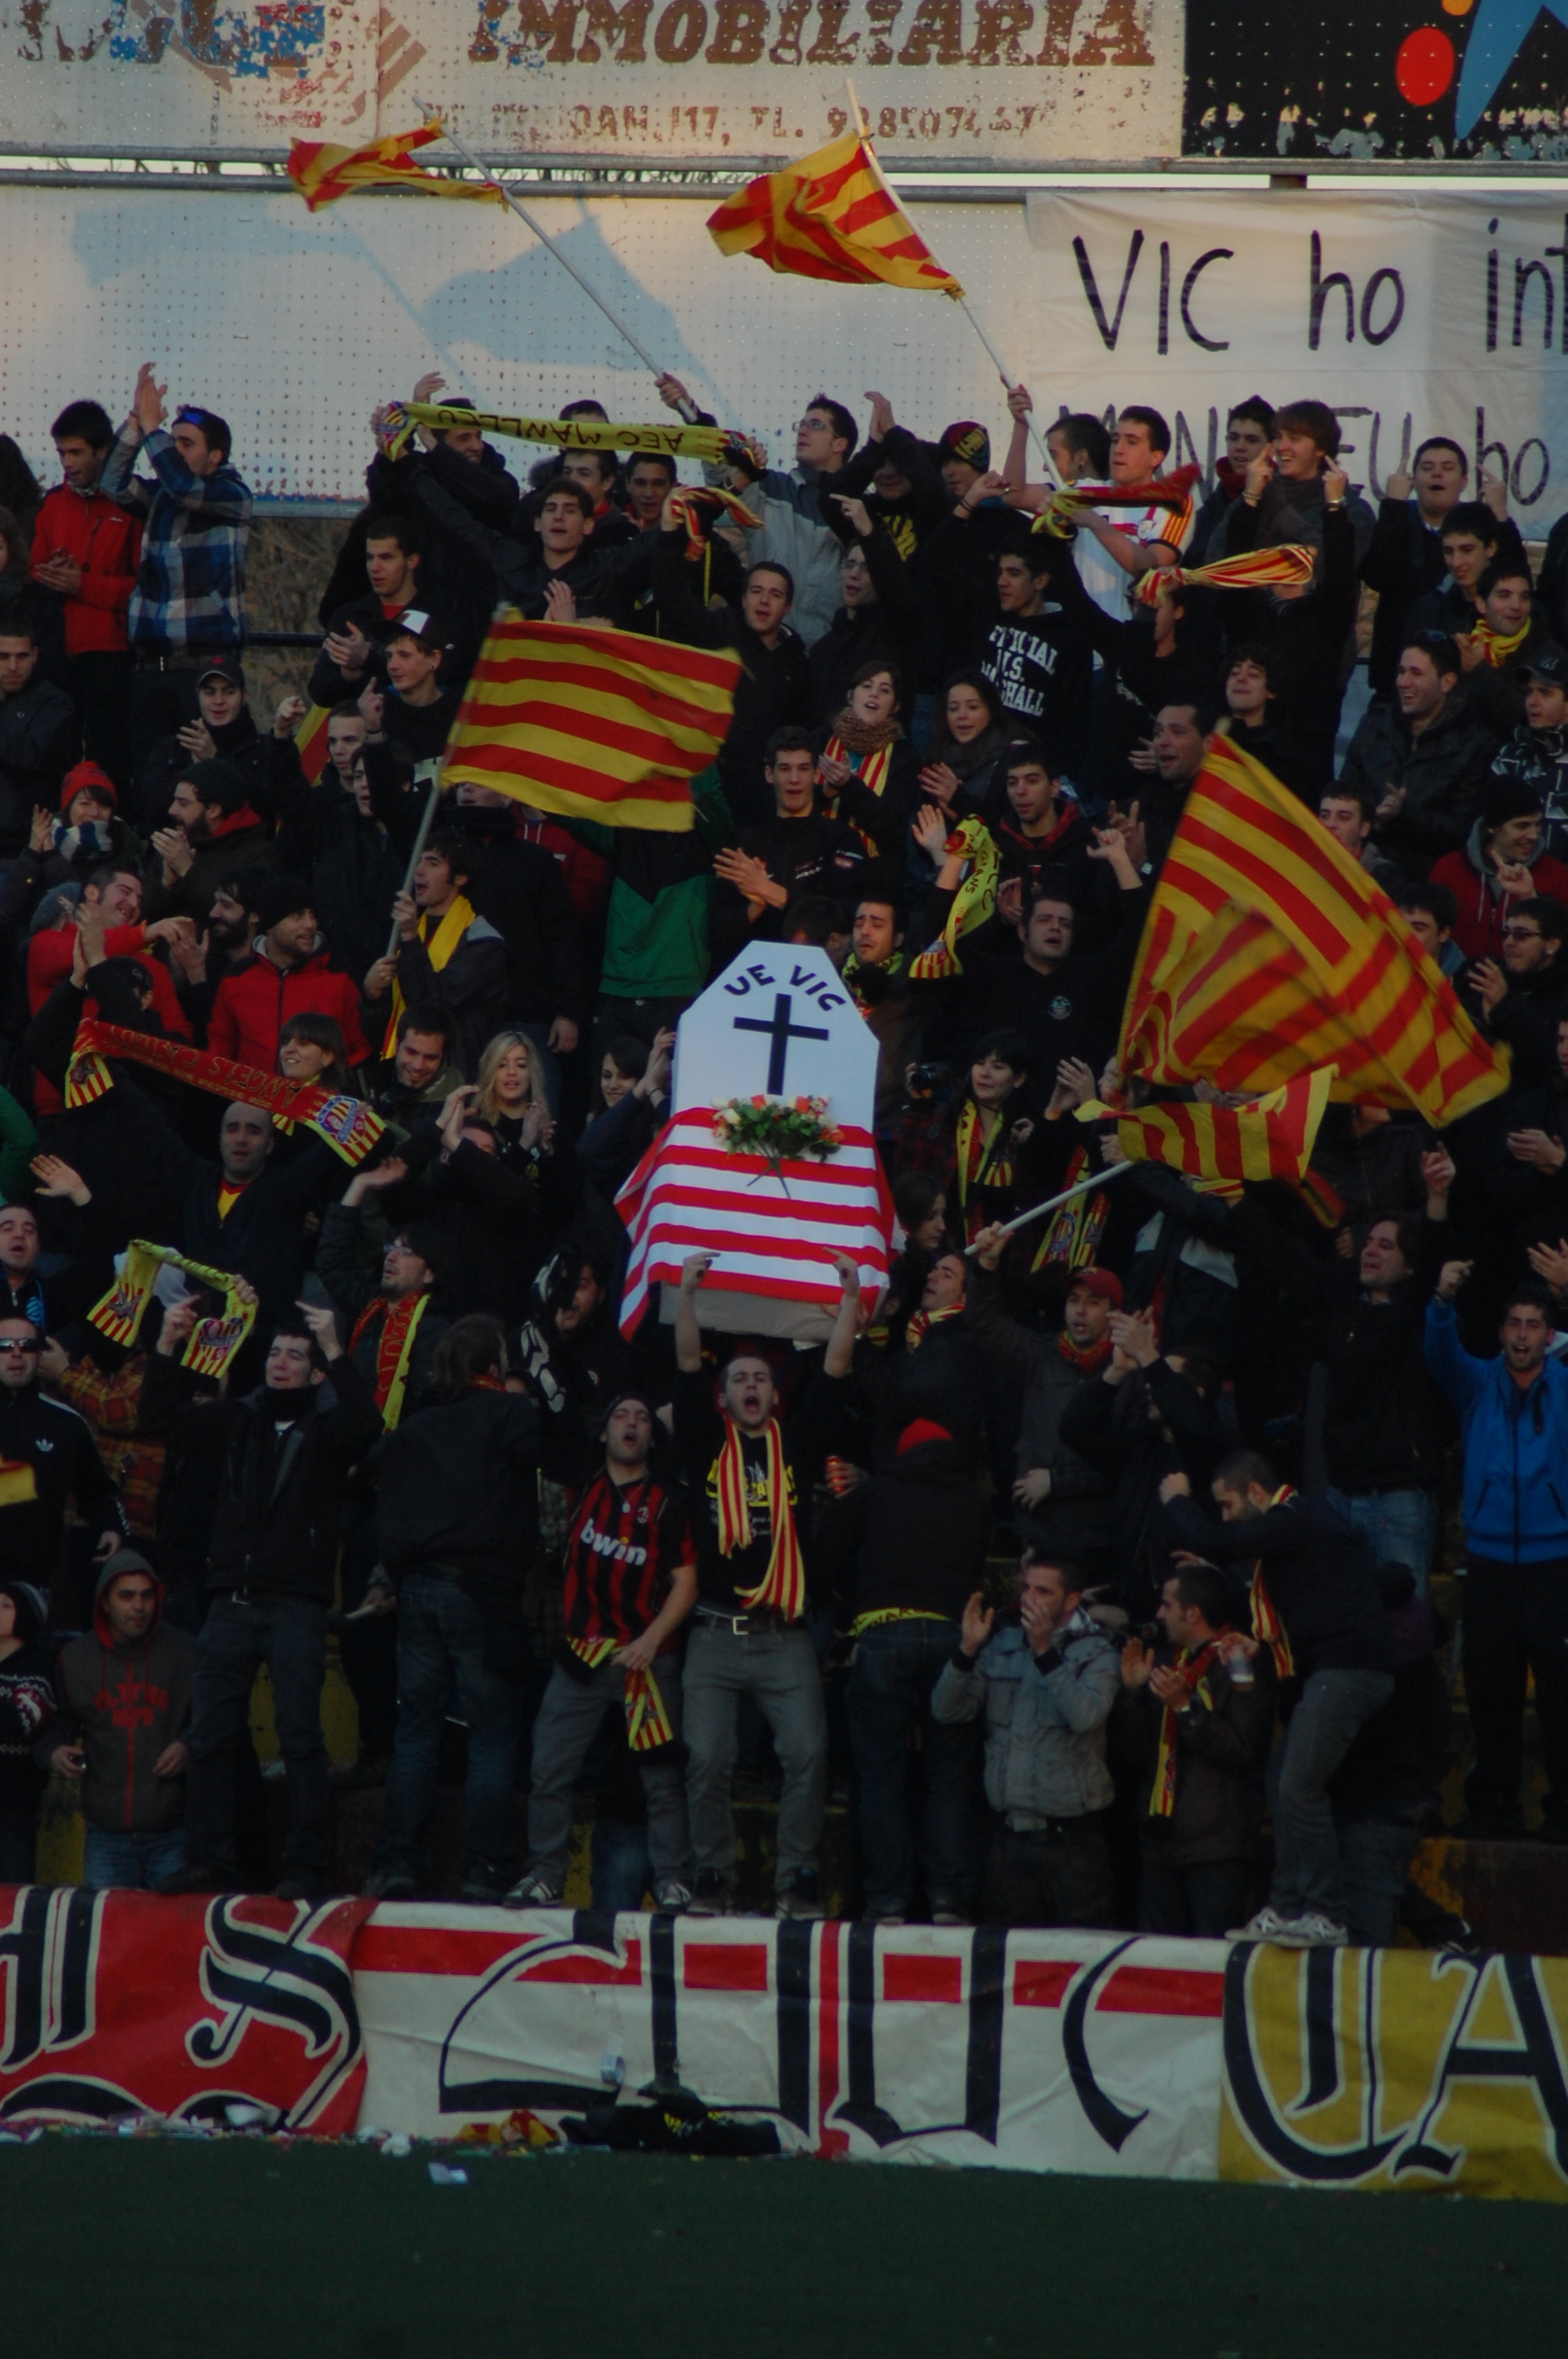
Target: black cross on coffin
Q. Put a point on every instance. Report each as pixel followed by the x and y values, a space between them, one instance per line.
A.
pixel 781 1032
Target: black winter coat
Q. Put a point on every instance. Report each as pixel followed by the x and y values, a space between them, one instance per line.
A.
pixel 914 1536
pixel 1320 1578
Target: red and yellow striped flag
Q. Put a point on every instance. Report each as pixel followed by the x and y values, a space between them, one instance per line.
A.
pixel 832 215
pixel 606 725
pixel 1267 951
pixel 1273 1138
pixel 310 742
pixel 323 173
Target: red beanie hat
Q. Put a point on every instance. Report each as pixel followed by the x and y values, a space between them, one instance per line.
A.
pixel 1103 1282
pixel 87 774
pixel 921 1429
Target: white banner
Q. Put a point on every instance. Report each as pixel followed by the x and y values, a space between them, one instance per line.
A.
pixel 1410 314
pixel 1087 2052
pixel 668 82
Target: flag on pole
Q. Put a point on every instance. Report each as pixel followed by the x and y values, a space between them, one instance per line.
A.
pixel 604 725
pixel 323 173
pixel 832 215
pixel 1268 953
pixel 1273 1138
pixel 773 1229
pixel 310 742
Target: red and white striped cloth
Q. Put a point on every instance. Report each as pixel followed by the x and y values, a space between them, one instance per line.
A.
pixel 774 1234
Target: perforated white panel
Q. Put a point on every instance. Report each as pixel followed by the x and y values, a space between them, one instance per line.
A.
pixel 293 326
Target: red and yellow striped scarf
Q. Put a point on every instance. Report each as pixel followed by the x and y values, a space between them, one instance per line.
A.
pixel 871 769
pixel 1192 1666
pixel 1498 646
pixel 783 1586
pixel 921 1323
pixel 1266 1622
pixel 648 1724
pixel 394 1349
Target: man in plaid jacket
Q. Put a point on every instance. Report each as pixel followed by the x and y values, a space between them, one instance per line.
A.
pixel 189 604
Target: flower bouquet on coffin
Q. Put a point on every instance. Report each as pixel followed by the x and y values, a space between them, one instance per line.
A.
pixel 781 1130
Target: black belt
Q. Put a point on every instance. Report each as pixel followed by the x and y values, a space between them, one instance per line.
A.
pixel 745 1626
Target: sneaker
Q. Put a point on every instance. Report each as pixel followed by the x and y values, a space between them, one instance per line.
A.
pixel 802 1896
pixel 199 1875
pixel 533 1890
pixel 1314 1931
pixel 1267 1926
pixel 671 1896
pixel 950 1917
pixel 890 1917
pixel 387 1884
pixel 483 1886
pixel 299 1887
pixel 713 1895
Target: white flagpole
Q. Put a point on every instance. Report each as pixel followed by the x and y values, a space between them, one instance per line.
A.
pixel 1054 1204
pixel 862 125
pixel 545 239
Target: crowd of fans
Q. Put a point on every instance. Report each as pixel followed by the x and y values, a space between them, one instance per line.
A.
pixel 1210 1434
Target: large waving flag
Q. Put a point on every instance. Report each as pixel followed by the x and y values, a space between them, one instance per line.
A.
pixel 323 173
pixel 1268 953
pixel 832 215
pixel 1270 1138
pixel 596 724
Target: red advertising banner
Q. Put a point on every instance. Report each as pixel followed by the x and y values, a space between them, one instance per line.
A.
pixel 119 2003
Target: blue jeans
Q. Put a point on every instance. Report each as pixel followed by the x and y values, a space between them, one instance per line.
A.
pixel 289 1635
pixel 441 1641
pixel 888 1694
pixel 1335 1707
pixel 1399 1527
pixel 131 1863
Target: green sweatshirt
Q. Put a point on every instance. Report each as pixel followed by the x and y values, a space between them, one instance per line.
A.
pixel 656 926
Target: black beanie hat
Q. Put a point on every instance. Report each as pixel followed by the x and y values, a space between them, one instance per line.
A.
pixel 280 897
pixel 216 782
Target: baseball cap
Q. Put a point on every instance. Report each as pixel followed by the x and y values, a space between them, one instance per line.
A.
pixel 1548 664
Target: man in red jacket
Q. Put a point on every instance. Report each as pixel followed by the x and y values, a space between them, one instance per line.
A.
pixel 1500 865
pixel 86 548
pixel 109 908
pixel 286 974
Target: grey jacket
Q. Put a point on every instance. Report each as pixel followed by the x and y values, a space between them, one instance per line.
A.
pixel 1045 1720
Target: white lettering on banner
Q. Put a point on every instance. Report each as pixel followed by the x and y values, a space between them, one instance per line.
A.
pixel 1410 314
pixel 662 80
pixel 1026 2051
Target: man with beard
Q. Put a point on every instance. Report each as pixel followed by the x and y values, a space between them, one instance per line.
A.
pixel 213 831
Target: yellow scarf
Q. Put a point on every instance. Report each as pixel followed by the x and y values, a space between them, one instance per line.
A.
pixel 973 903
pixel 1497 646
pixel 979 1165
pixel 439 947
pixel 213 1342
pixel 1193 1665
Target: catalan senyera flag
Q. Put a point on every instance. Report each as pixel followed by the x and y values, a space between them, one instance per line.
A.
pixel 1272 1139
pixel 832 215
pixel 323 173
pixel 605 725
pixel 1268 953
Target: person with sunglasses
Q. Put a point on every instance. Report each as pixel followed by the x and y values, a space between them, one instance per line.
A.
pixel 189 604
pixel 51 1457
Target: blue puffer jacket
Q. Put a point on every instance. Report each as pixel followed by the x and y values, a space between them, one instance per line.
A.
pixel 1516 1448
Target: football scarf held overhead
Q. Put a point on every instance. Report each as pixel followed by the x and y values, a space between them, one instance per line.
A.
pixel 1060 514
pixel 1192 1666
pixel 972 904
pixel 648 1723
pixel 716 444
pixel 439 948
pixel 394 1349
pixel 689 503
pixel 348 1127
pixel 213 1342
pixel 783 1586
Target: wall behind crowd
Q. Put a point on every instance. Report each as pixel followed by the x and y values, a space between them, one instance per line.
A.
pixel 1413 314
